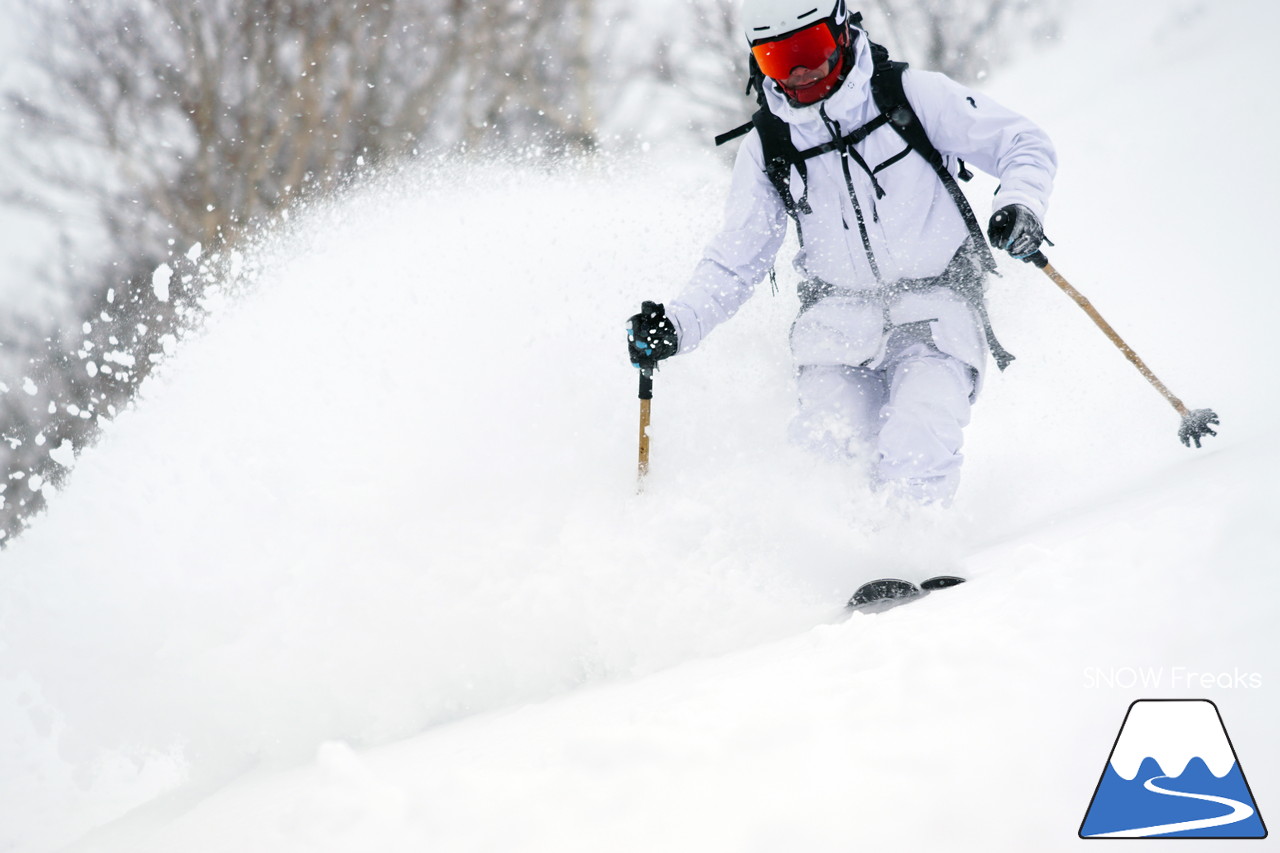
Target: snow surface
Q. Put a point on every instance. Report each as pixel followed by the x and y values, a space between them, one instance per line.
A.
pixel 365 569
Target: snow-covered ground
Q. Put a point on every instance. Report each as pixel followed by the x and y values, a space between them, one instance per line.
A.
pixel 365 569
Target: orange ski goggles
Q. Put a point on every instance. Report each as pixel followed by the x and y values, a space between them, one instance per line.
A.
pixel 808 48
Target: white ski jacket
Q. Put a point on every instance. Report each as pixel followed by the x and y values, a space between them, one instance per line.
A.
pixel 913 231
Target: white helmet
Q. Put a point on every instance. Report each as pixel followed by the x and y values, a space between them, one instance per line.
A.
pixel 805 49
pixel 771 19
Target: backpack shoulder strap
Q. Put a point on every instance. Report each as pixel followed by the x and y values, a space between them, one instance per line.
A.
pixel 891 99
pixel 780 155
pixel 780 152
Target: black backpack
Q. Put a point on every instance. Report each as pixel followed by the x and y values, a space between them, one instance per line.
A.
pixel 780 155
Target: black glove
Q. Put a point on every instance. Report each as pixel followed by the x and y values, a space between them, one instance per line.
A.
pixel 651 336
pixel 1016 230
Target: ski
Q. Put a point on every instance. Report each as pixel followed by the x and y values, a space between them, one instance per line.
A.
pixel 886 593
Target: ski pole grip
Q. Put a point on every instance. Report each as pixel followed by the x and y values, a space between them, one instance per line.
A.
pixel 1038 258
pixel 646 383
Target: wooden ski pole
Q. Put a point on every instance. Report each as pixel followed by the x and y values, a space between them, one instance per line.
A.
pixel 1196 423
pixel 646 399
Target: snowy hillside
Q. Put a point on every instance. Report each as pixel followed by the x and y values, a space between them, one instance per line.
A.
pixel 365 569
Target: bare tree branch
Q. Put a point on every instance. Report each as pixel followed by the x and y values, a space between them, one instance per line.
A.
pixel 164 123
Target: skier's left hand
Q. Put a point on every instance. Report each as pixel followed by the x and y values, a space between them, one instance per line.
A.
pixel 1016 229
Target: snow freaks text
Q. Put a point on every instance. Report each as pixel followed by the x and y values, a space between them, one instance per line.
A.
pixel 1172 678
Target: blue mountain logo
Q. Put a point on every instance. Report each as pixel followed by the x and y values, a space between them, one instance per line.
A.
pixel 1173 773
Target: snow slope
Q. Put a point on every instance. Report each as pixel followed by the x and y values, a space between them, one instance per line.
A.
pixel 365 569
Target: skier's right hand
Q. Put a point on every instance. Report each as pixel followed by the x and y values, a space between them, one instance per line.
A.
pixel 651 336
pixel 1016 229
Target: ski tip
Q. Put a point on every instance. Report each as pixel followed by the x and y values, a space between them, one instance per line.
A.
pixel 941 582
pixel 883 591
pixel 880 595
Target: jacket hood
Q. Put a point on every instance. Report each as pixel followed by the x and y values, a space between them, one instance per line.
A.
pixel 848 96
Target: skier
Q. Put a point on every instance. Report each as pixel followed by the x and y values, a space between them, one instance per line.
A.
pixel 892 337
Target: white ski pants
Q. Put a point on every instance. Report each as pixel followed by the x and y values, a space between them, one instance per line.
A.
pixel 904 418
